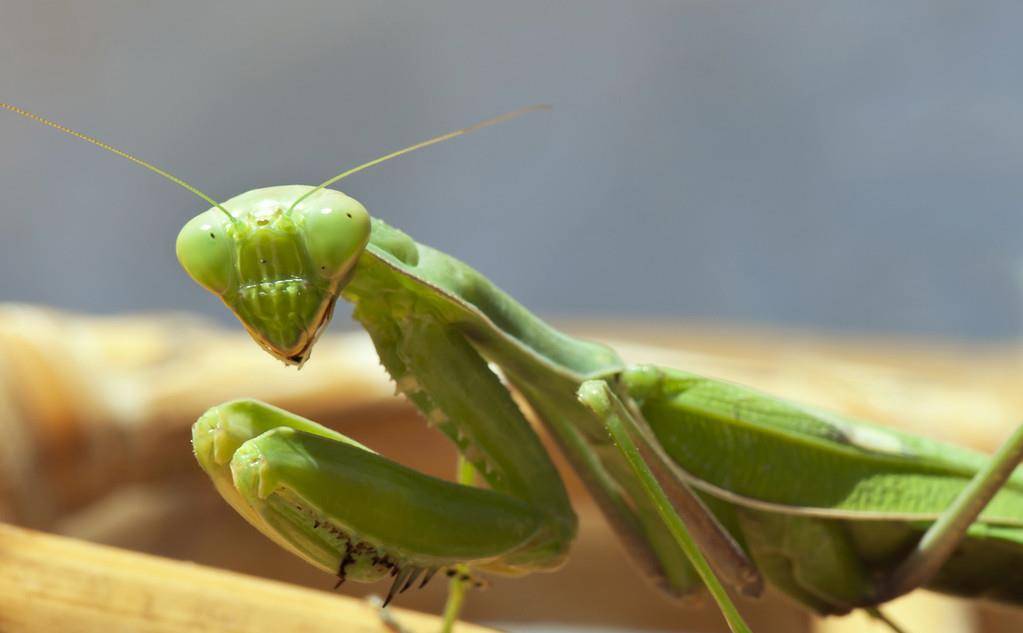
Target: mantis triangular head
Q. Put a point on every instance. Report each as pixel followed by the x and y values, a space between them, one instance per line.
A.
pixel 277 256
pixel 278 263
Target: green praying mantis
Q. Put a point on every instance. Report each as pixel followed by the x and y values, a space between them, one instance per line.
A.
pixel 706 483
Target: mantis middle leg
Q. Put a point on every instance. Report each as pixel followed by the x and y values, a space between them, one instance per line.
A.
pixel 601 398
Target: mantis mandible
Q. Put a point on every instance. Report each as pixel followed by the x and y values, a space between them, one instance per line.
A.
pixel 707 483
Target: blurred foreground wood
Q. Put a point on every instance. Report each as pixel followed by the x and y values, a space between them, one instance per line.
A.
pixel 52 583
pixel 97 411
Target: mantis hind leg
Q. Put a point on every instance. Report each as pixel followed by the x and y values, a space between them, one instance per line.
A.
pixel 944 535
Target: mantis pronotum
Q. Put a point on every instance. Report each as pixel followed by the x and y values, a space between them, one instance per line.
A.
pixel 701 479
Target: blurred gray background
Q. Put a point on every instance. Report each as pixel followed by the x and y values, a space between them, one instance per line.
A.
pixel 844 166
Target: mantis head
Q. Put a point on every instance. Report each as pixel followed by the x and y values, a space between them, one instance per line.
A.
pixel 277 257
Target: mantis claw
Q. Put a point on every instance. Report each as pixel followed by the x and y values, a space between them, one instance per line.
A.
pixel 399 579
pixel 416 572
pixel 428 577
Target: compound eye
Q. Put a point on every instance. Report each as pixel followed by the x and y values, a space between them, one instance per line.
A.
pixel 336 229
pixel 206 251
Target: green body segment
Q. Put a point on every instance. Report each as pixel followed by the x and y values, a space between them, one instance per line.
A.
pixel 871 470
pixel 822 505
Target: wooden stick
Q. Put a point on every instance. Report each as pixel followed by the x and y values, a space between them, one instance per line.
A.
pixel 919 611
pixel 51 583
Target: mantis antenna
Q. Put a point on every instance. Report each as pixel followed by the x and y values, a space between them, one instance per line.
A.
pixel 181 183
pixel 411 148
pixel 98 143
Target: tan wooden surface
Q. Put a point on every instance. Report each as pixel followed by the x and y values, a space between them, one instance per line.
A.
pixel 51 583
pixel 99 410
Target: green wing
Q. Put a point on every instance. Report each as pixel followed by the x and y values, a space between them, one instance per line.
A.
pixel 757 450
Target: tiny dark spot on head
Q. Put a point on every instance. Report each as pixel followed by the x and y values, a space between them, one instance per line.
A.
pixel 349 215
pixel 262 261
pixel 213 236
pixel 323 268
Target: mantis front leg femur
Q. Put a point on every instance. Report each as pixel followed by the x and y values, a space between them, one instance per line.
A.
pixel 347 510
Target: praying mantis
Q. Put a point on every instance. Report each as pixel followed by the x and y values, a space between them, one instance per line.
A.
pixel 708 484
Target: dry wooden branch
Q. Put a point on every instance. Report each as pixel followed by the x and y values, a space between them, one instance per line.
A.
pixel 51 583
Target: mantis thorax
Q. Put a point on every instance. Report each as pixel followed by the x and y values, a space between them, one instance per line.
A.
pixel 278 265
